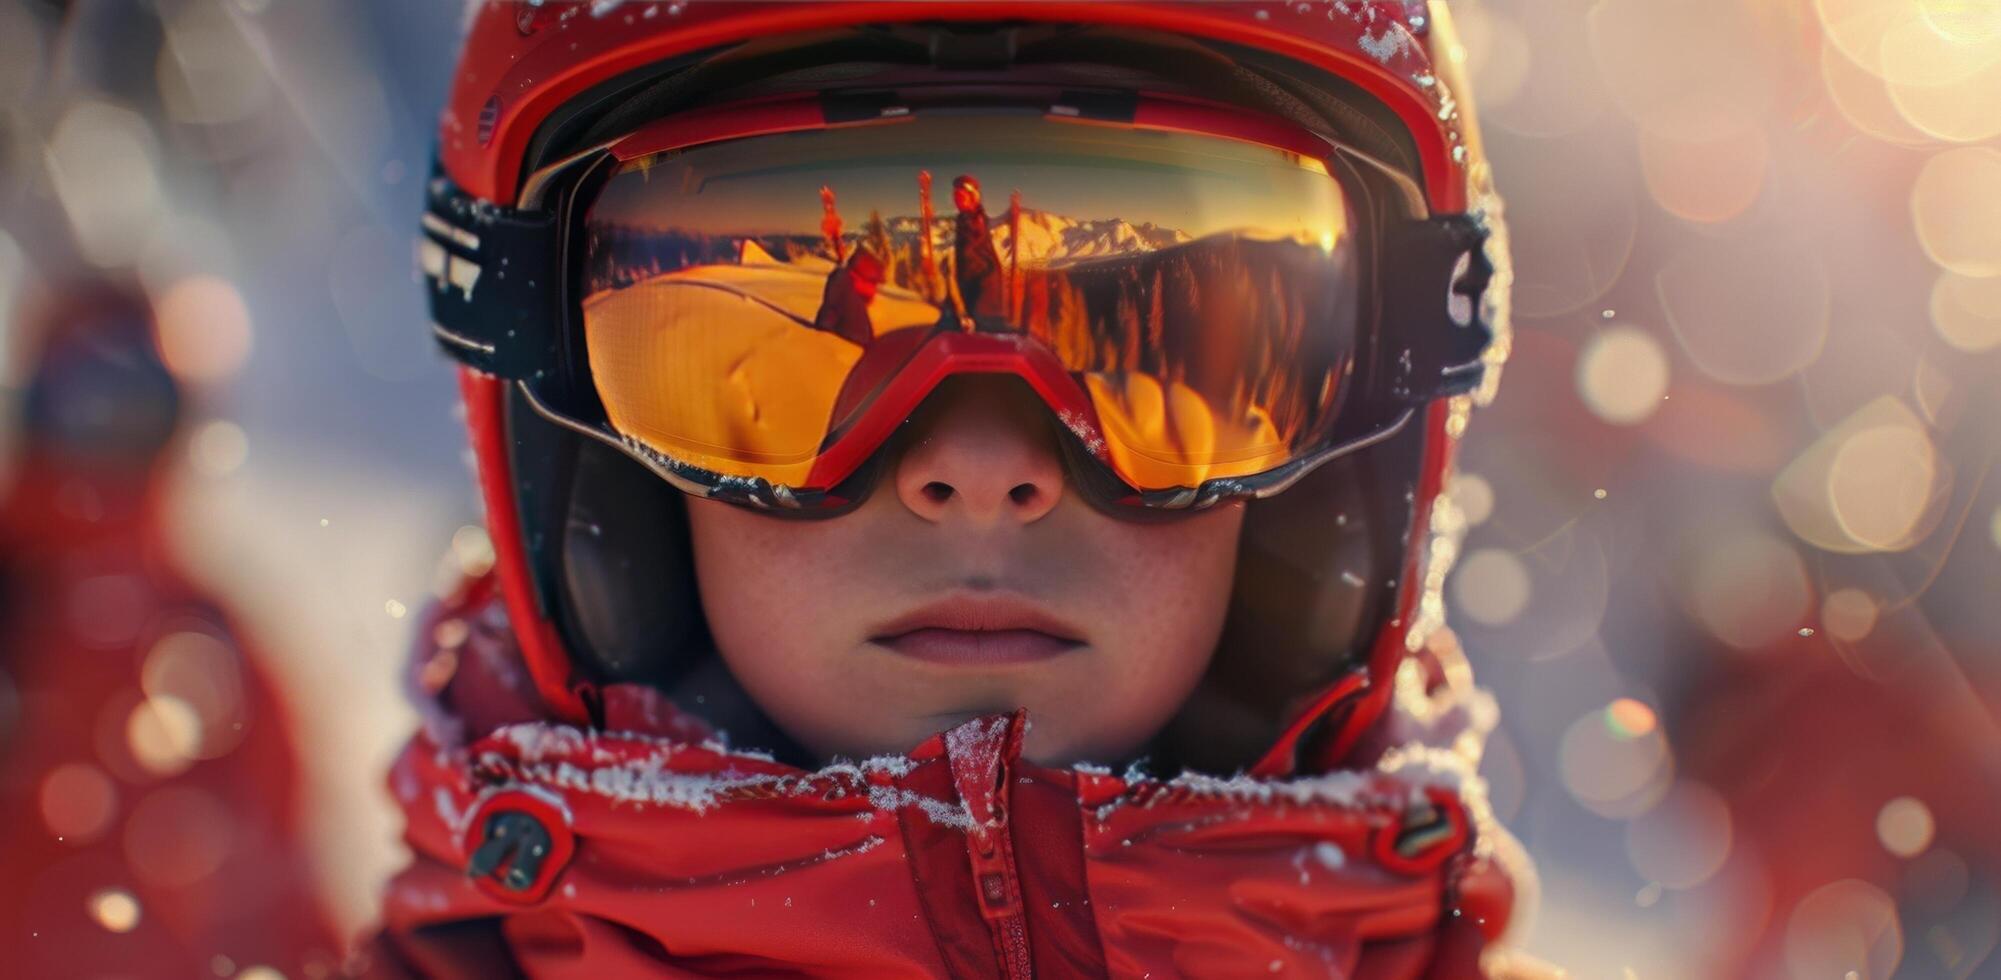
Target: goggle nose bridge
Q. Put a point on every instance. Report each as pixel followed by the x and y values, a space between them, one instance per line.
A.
pixel 944 355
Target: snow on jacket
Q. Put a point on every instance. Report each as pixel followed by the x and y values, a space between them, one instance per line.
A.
pixel 651 848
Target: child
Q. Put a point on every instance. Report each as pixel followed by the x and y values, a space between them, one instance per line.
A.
pixel 1079 647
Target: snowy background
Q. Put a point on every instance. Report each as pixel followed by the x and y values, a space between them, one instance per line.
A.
pixel 1736 547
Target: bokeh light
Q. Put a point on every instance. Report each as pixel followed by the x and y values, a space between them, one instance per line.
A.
pixel 1683 840
pixel 1474 496
pixel 78 802
pixel 1958 214
pixel 1614 775
pixel 115 909
pixel 1858 27
pixel 218 448
pixel 204 329
pixel 1966 311
pixel 163 735
pixel 1747 588
pixel 199 673
pixel 1905 827
pixel 1622 374
pixel 1491 585
pixel 1630 718
pixel 1966 21
pixel 101 159
pixel 1848 928
pixel 1960 109
pixel 473 550
pixel 1871 483
pixel 450 633
pixel 178 836
pixel 1913 52
pixel 1848 614
pixel 1861 98
pixel 1881 485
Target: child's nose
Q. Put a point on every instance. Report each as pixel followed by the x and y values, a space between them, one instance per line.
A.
pixel 981 451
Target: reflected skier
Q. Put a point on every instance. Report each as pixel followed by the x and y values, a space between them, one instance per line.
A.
pixel 978 278
pixel 844 304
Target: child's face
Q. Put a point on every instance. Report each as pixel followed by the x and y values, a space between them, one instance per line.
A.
pixel 971 582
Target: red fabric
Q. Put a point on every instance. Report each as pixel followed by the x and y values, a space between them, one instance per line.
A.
pixel 686 858
pixel 210 853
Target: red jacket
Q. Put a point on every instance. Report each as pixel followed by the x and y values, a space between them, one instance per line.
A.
pixel 650 848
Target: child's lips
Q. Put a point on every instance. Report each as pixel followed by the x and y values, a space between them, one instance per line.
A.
pixel 978 647
pixel 979 629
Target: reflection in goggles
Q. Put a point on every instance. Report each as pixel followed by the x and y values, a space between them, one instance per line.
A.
pixel 1200 292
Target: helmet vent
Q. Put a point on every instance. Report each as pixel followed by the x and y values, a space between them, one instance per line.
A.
pixel 489 119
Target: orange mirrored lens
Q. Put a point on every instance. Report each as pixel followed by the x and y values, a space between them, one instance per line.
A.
pixel 747 298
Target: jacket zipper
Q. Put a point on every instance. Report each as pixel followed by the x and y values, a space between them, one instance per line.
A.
pixel 991 846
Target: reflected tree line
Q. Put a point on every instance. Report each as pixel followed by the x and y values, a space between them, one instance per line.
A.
pixel 1250 324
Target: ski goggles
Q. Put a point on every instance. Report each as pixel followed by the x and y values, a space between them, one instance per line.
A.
pixel 751 299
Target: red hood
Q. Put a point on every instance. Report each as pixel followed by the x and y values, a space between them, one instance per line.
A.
pixel 652 847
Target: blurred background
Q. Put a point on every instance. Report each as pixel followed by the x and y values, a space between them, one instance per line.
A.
pixel 1734 559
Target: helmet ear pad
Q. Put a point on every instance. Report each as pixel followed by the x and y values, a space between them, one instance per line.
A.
pixel 628 600
pixel 1315 583
pixel 628 583
pixel 606 543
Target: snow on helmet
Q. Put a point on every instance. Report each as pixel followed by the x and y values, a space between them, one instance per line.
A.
pixel 1348 537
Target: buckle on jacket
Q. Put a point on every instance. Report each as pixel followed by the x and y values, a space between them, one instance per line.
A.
pixel 1424 836
pixel 522 843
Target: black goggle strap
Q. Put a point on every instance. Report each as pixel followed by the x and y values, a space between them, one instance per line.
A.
pixel 1435 274
pixel 495 282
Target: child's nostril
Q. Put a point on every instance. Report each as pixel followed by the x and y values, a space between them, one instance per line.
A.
pixel 1022 493
pixel 938 492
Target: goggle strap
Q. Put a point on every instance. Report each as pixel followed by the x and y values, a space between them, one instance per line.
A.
pixel 1435 275
pixel 495 282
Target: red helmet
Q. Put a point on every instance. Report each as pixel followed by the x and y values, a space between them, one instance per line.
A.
pixel 1338 576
